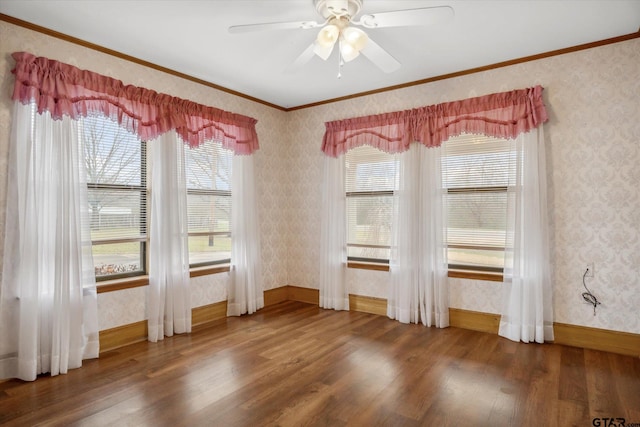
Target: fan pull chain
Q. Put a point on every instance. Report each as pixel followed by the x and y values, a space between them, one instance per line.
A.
pixel 340 64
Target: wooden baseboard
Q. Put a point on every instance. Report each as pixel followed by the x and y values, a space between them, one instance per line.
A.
pixel 571 335
pixel 356 302
pixel 597 339
pixel 474 320
pixel 208 313
pixel 308 295
pixel 120 336
pixel 111 339
pixel 275 296
pixel 368 304
pixel 465 319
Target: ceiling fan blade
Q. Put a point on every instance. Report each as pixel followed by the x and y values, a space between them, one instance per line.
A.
pixel 302 59
pixel 406 18
pixel 294 25
pixel 380 57
pixel 323 51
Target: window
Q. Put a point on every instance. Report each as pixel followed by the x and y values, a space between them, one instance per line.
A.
pixel 476 172
pixel 117 193
pixel 208 173
pixel 370 180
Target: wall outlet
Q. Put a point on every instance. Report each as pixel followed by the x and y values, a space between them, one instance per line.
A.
pixel 590 270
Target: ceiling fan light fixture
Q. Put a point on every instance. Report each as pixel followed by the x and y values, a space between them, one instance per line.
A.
pixel 355 37
pixel 328 35
pixel 337 28
pixel 348 51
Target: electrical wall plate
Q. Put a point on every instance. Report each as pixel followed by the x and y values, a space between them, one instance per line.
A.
pixel 590 270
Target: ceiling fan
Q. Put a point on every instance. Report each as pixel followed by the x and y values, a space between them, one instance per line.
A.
pixel 340 28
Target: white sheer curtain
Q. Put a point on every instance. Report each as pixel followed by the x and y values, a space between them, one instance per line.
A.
pixel 245 293
pixel 333 237
pixel 169 294
pixel 418 264
pixel 527 309
pixel 48 301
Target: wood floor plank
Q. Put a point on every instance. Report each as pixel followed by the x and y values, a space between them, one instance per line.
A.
pixel 604 398
pixel 573 383
pixel 572 413
pixel 626 374
pixel 294 364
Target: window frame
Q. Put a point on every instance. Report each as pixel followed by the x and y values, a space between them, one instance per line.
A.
pixel 216 150
pixel 143 238
pixel 469 267
pixel 363 195
pixel 455 270
pixel 473 270
pixel 215 193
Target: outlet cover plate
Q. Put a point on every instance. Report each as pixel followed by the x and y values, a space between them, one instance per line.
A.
pixel 590 270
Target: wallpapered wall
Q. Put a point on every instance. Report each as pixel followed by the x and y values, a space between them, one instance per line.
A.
pixel 593 160
pixel 593 150
pixel 123 307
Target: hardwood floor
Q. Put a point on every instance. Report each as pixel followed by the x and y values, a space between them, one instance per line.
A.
pixel 293 364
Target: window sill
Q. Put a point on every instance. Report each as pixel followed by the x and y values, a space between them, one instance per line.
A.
pixel 368 265
pixel 120 284
pixel 476 275
pixel 139 281
pixel 458 274
pixel 209 269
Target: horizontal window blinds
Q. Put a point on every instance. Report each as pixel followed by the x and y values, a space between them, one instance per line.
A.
pixel 208 174
pixel 476 173
pixel 371 176
pixel 115 162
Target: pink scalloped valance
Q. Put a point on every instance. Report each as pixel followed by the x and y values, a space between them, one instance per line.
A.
pixel 503 115
pixel 62 89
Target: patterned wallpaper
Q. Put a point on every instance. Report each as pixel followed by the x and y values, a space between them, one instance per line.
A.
pixel 593 160
pixel 122 307
pixel 593 149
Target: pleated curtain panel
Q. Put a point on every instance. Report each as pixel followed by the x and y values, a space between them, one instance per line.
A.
pixel 418 290
pixel 48 299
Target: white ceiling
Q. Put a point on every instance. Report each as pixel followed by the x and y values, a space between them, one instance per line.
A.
pixel 191 37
